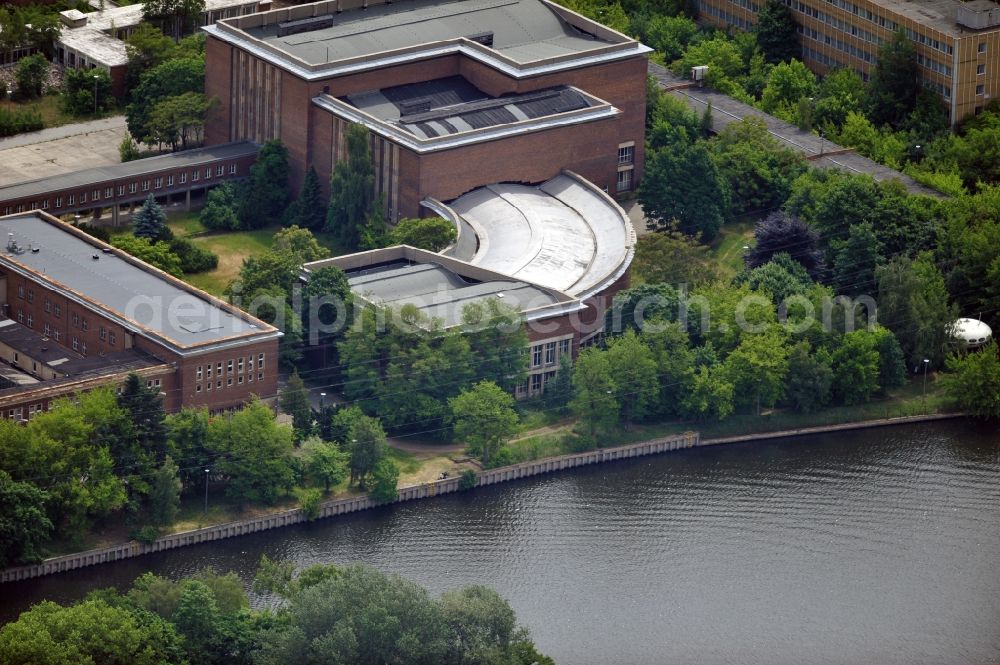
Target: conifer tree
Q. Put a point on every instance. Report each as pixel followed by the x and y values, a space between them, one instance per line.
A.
pixel 150 222
pixel 352 190
pixel 309 210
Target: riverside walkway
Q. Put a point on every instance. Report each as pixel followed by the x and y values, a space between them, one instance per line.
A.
pixel 819 151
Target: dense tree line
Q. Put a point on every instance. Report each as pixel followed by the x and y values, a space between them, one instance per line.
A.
pixel 353 615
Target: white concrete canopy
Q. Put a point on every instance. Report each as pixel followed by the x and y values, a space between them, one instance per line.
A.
pixel 565 234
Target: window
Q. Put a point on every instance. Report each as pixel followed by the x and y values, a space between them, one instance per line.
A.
pixel 218 385
pixel 550 353
pixel 232 169
pixel 208 370
pixel 45 204
pixel 208 173
pixel 31 321
pixel 250 363
pixel 59 202
pixel 198 373
pixel 83 197
pixel 132 186
pixel 46 329
pixel 197 388
pixel 240 381
pixel 158 183
pixel 96 196
pixel 625 180
pixel 145 185
pixel 982 47
pixel 980 89
pixel 536 382
pixel 58 311
pixel 107 193
pixel 184 177
pixel 72 199
pixel 980 69
pixel 536 356
pixel 31 294
pixel 112 338
pixel 20 291
pixel 564 346
pixel 76 343
pixel 103 333
pixel 121 190
pixel 626 154
pixel 220 170
pixel 195 175
pixel 229 367
pixel 48 305
pixel 76 320
pixel 260 376
pixel 57 335
pixel 170 181
pixel 218 369
pixel 83 348
pixel 86 324
pixel 229 382
pixel 208 386
pixel 20 316
pixel 260 361
pixel 240 366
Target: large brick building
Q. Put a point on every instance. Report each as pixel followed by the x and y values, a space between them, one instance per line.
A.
pixel 78 313
pixel 957 43
pixel 457 94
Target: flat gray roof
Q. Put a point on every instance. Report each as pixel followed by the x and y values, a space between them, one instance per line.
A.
pixel 522 30
pixel 564 234
pixel 438 292
pixel 132 169
pixel 141 297
pixel 451 105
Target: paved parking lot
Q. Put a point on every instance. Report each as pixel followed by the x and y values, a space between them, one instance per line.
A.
pixel 60 150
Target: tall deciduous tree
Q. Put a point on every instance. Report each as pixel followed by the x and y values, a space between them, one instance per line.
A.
pixel 636 384
pixel 430 233
pixel 150 222
pixel 169 79
pixel 352 189
pixel 777 33
pixel 31 73
pixel 683 186
pixel 913 303
pixel 164 494
pixel 809 379
pixel 672 257
pixel 295 402
pixel 594 389
pixel 183 16
pixel 385 480
pixel 484 419
pixel 325 462
pixel 367 447
pixel 973 381
pixel 24 526
pixel 894 84
pixel 757 369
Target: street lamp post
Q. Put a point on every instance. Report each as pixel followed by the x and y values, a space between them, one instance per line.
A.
pixel 206 490
pixel 322 397
pixel 822 142
pixel 926 363
pixel 96 78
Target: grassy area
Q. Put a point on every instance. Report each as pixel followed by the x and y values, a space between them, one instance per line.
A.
pixel 727 248
pixel 49 108
pixel 232 247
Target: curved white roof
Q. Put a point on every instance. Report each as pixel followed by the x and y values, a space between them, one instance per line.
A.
pixel 972 332
pixel 564 234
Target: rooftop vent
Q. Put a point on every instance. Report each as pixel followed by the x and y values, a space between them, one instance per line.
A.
pixel 978 14
pixel 286 28
pixel 412 106
pixel 484 38
pixel 96 257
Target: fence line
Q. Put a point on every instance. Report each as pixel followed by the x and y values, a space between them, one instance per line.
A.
pixel 335 507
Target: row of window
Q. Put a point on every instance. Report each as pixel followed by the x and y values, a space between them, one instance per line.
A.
pixel 534 384
pixel 133 187
pixel 17 413
pixel 829 19
pixel 934 65
pixel 229 382
pixel 548 353
pixel 838 44
pixel 725 16
pixel 243 368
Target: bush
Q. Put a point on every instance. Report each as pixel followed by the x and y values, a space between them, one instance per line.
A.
pixel 310 502
pixel 128 150
pixel 467 480
pixel 31 73
pixel 18 121
pixel 146 535
pixel 194 259
pixel 503 457
pixel 79 86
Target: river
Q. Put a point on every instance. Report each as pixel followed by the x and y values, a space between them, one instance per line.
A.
pixel 877 546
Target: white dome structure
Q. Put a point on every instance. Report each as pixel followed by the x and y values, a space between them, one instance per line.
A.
pixel 971 333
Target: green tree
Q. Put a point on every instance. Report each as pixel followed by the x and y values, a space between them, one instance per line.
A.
pixel 670 35
pixel 892 364
pixel 385 480
pixel 180 119
pixel 165 494
pixel 496 337
pixel 324 463
pixel 594 390
pixel 856 364
pixel 187 440
pixel 128 150
pixel 757 369
pixel 809 379
pixel 79 87
pixel 894 84
pixel 777 33
pixel 855 260
pixel 787 83
pixel 430 233
pixel 913 304
pixel 683 186
pixel 671 257
pixel 169 79
pixel 254 453
pixel 295 402
pixel 89 632
pixel 352 189
pixel 782 277
pixel 484 419
pixel 31 73
pixel 367 447
pixel 221 206
pixel 559 389
pixel 194 258
pixel 143 404
pixel 309 209
pixel 198 619
pixel 710 396
pixel 156 254
pixel 150 222
pixel 265 195
pixel 636 383
pixel 147 47
pixel 24 526
pixel 298 243
pixel 973 381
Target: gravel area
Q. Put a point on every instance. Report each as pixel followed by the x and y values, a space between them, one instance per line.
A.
pixel 8 78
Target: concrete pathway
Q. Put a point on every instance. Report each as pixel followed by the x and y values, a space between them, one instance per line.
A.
pixel 821 152
pixel 59 150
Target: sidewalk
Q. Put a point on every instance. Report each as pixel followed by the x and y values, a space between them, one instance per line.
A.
pixel 823 153
pixel 62 131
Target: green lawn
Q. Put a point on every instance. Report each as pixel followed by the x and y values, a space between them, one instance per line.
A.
pixel 727 248
pixel 232 247
pixel 49 108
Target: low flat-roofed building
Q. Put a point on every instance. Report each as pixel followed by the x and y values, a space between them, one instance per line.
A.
pixel 557 253
pixel 92 303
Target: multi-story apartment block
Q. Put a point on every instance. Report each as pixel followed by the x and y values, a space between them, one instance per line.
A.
pixel 957 43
